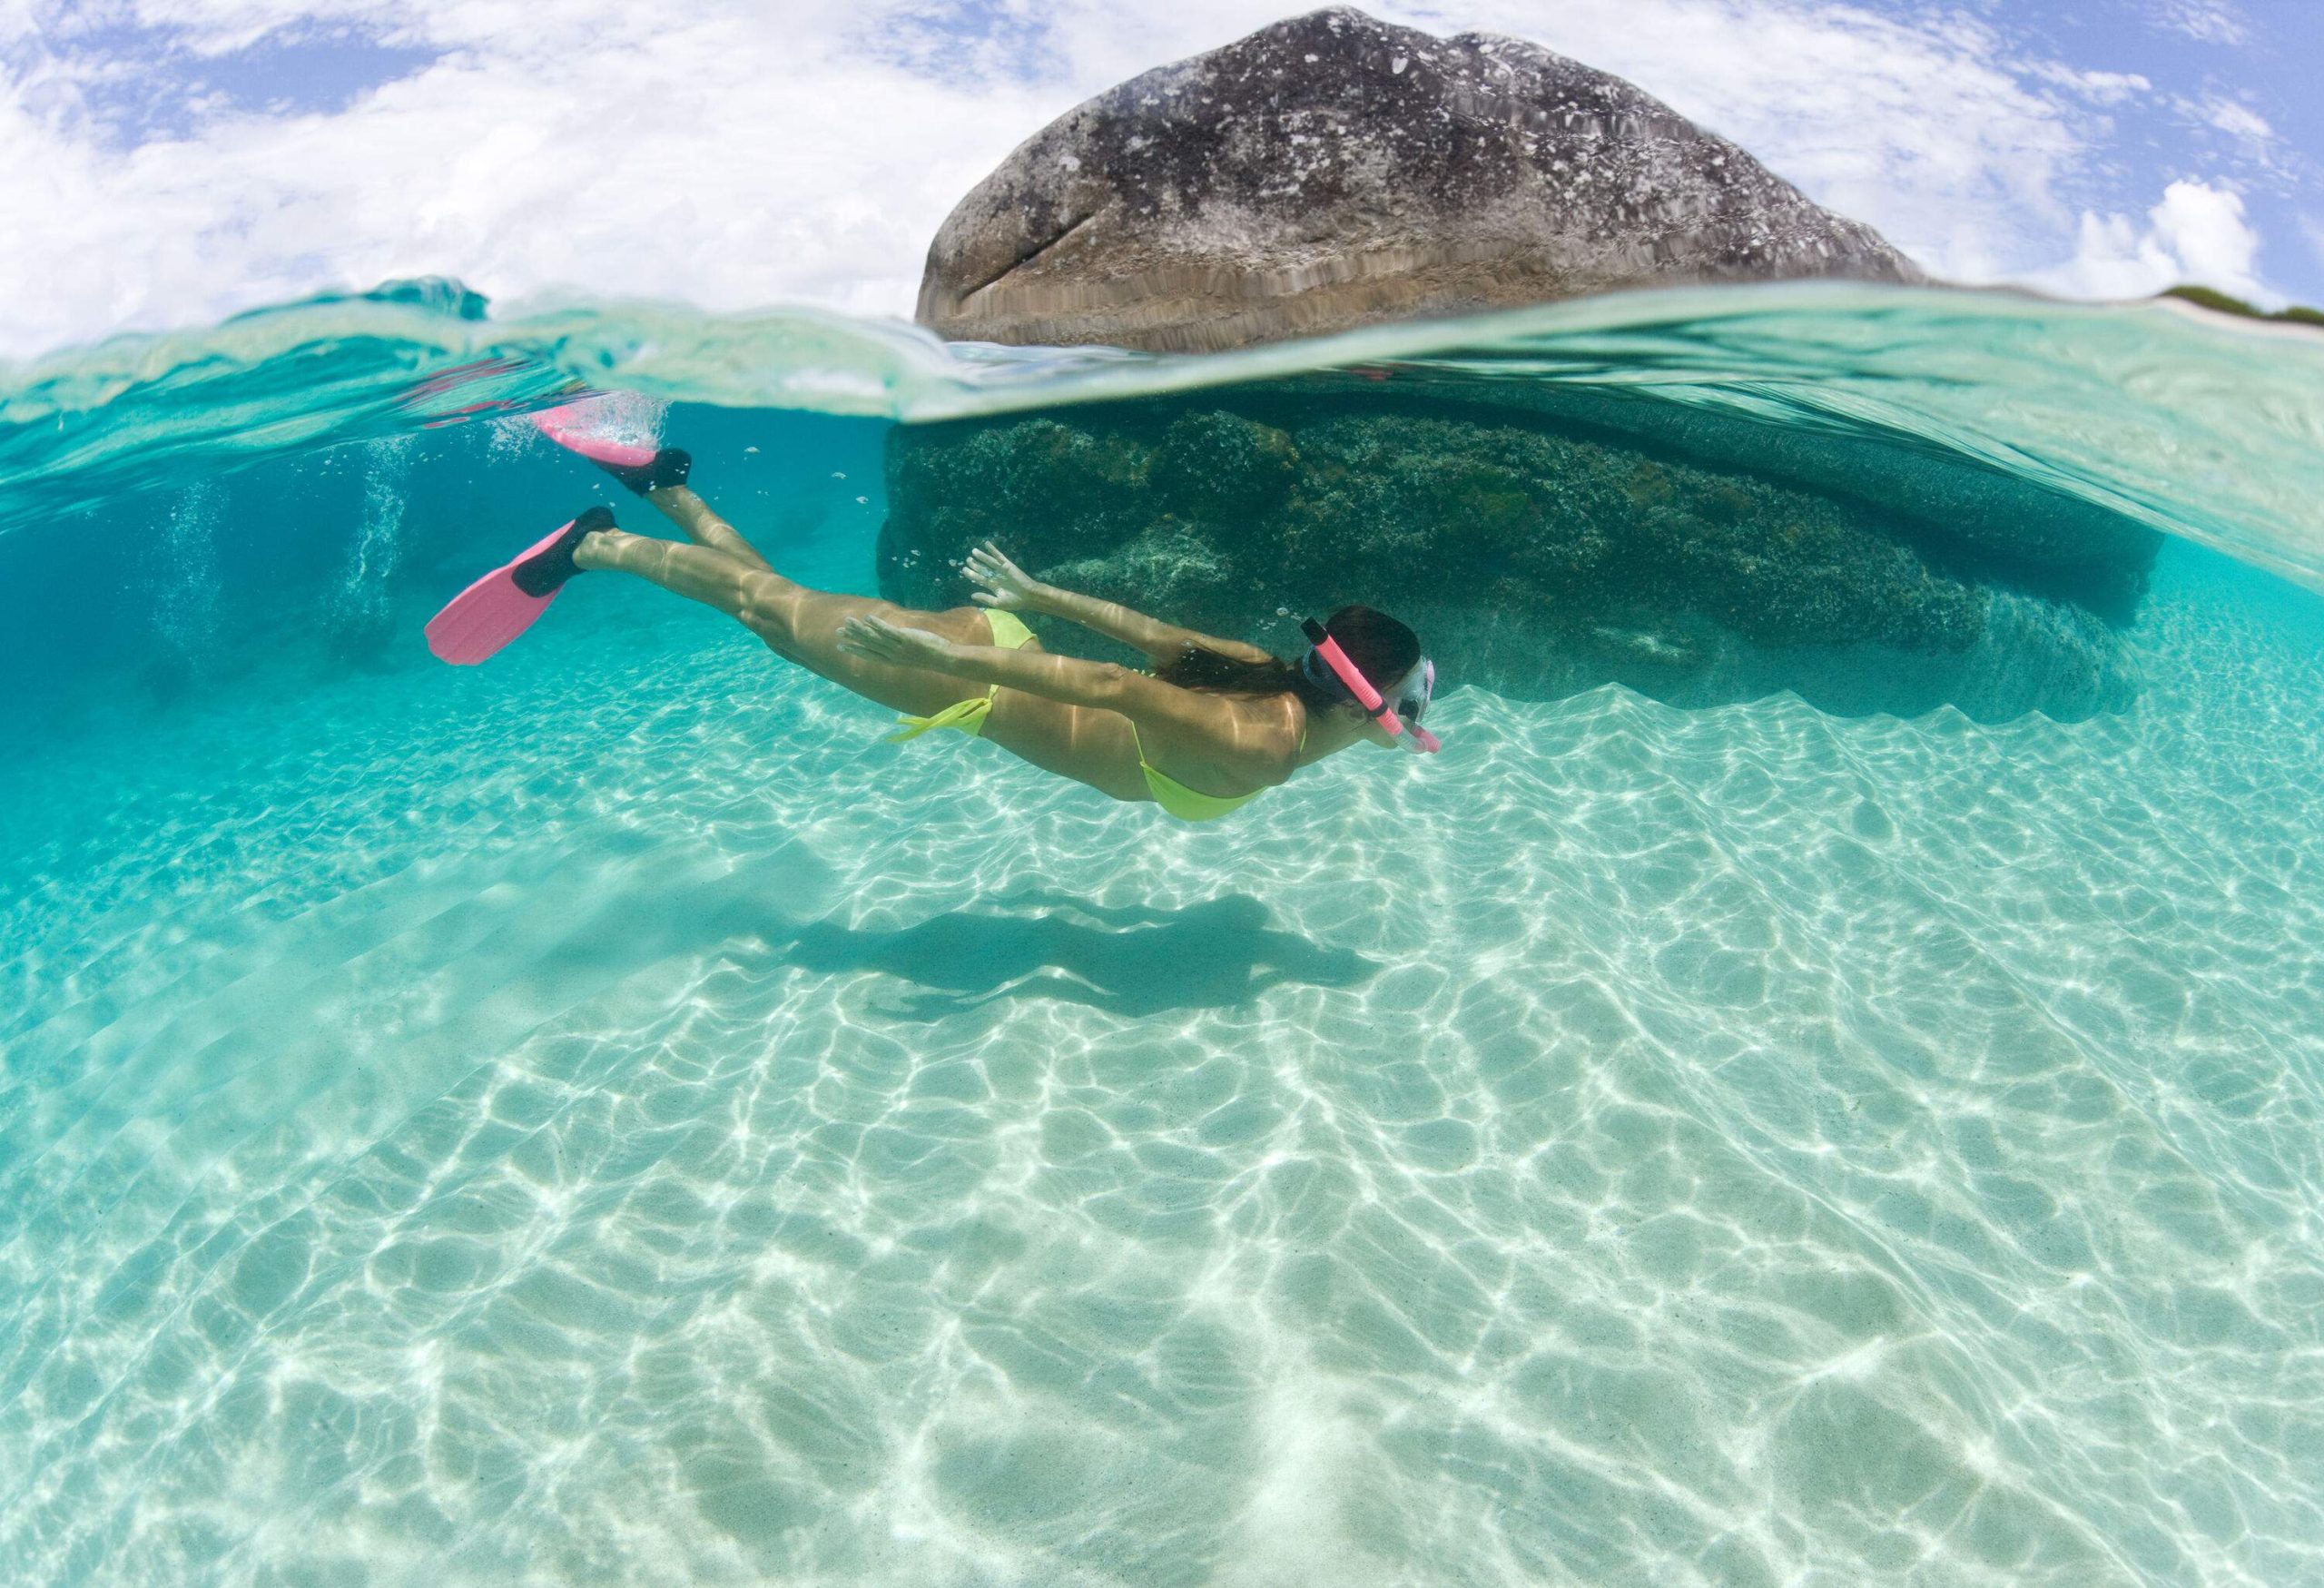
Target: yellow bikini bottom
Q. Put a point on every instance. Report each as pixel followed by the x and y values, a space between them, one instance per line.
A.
pixel 1009 633
pixel 968 715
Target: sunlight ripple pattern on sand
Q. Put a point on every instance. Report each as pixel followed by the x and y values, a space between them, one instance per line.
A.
pixel 566 1134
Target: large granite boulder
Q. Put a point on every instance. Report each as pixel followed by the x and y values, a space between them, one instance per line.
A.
pixel 1332 170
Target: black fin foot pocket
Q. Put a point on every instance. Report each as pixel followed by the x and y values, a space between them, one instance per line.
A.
pixel 546 571
pixel 670 466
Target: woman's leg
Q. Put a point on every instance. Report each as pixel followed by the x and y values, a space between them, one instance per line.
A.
pixel 795 622
pixel 690 513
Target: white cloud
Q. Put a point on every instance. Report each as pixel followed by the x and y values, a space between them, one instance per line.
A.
pixel 733 153
pixel 2214 22
pixel 2197 235
pixel 2230 130
pixel 2204 228
pixel 720 159
pixel 2236 119
pixel 2098 87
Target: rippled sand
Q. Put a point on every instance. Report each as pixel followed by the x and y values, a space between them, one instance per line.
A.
pixel 602 1118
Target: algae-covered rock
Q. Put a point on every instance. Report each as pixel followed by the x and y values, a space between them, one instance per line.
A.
pixel 1954 508
pixel 1536 559
pixel 1604 537
pixel 1213 464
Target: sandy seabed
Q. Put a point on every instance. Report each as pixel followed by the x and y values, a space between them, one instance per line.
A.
pixel 603 1118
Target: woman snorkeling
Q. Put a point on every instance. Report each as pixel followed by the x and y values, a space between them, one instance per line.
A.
pixel 1215 724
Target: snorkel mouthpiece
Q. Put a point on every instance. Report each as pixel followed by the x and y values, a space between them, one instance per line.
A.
pixel 1367 697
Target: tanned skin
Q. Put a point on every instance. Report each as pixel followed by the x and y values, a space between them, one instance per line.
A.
pixel 1063 714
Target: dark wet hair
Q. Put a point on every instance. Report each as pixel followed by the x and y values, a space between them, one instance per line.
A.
pixel 1383 649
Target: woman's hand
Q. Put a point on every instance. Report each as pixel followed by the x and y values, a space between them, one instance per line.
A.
pixel 1005 585
pixel 876 639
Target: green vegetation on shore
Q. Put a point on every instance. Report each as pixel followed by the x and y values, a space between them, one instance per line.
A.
pixel 2208 298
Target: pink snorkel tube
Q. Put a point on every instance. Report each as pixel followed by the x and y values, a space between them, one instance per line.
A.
pixel 1360 686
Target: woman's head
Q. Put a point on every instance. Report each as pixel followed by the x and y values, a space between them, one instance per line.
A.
pixel 1359 641
pixel 1381 648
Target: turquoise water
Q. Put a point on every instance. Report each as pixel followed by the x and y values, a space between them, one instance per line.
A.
pixel 601 1117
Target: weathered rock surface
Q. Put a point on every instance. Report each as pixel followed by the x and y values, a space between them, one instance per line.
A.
pixel 1952 509
pixel 1332 170
pixel 1536 557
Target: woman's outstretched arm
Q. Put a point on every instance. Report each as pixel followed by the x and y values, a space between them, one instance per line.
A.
pixel 1011 588
pixel 1107 685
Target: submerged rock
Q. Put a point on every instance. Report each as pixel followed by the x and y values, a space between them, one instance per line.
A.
pixel 1330 170
pixel 1534 558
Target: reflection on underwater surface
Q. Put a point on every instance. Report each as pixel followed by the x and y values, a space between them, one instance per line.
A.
pixel 603 1116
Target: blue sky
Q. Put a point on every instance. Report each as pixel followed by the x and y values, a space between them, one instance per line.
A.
pixel 2233 100
pixel 169 162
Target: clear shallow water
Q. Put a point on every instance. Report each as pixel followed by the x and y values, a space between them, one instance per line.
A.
pixel 603 1118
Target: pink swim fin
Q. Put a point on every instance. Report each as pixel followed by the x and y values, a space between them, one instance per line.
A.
pixel 641 468
pixel 505 603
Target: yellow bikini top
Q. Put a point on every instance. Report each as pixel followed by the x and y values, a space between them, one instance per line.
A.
pixel 1185 803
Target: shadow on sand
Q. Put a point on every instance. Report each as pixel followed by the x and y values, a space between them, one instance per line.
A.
pixel 1128 960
